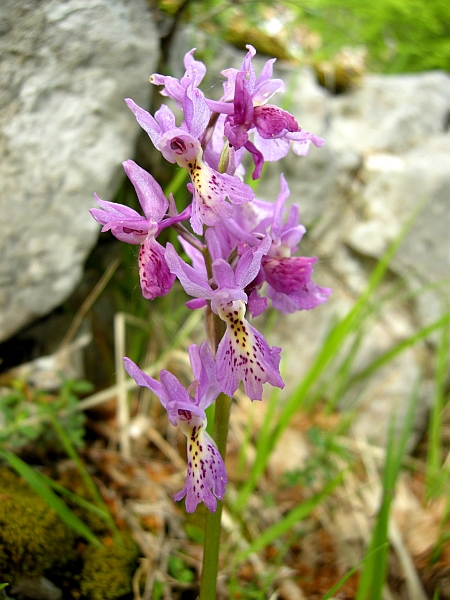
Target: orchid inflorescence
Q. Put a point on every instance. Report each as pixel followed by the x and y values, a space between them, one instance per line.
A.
pixel 241 249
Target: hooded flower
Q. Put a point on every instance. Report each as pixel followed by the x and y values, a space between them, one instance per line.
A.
pixel 273 129
pixel 182 145
pixel 129 226
pixel 288 277
pixel 206 476
pixel 243 353
pixel 289 283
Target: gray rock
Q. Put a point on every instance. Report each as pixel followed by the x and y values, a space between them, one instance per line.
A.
pixel 36 588
pixel 387 152
pixel 64 131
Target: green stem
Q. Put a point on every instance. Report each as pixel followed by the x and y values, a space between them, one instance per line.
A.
pixel 212 522
pixel 211 545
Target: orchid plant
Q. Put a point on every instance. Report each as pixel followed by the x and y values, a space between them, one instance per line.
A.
pixel 241 253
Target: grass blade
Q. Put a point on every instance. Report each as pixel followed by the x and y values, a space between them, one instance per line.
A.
pixel 400 347
pixel 374 572
pixel 343 579
pixel 433 476
pixel 87 479
pixel 103 514
pixel 288 521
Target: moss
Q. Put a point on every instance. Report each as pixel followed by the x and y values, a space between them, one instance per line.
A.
pixel 108 571
pixel 32 537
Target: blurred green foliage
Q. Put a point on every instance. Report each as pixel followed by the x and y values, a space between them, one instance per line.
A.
pixel 22 409
pixel 398 35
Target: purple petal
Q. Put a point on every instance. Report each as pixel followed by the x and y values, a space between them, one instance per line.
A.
pixel 226 108
pixel 258 159
pixel 289 284
pixel 292 232
pixel 256 305
pixel 249 263
pixel 273 149
pixel 197 258
pixel 124 222
pixel 237 126
pixel 217 246
pixel 277 225
pixel 288 275
pixel 172 87
pixel 204 370
pixel 307 298
pixel 145 380
pixel 247 67
pixel 228 85
pixel 179 403
pixel 196 303
pixel 303 136
pixel 131 232
pixel 266 90
pixel 195 70
pixel 116 209
pixel 301 148
pixel 223 274
pixel 266 87
pixel 271 121
pixel 156 278
pixel 194 283
pixel 145 120
pixel 196 112
pixel 149 192
pixel 165 118
pixel 231 226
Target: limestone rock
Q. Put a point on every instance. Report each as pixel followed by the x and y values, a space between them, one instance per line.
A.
pixel 64 131
pixel 386 153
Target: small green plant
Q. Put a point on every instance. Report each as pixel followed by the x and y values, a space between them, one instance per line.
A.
pixel 23 410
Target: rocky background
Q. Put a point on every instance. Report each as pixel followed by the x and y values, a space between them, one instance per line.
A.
pixel 65 131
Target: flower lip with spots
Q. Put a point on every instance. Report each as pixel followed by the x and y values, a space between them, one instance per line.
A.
pixel 243 353
pixel 206 476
